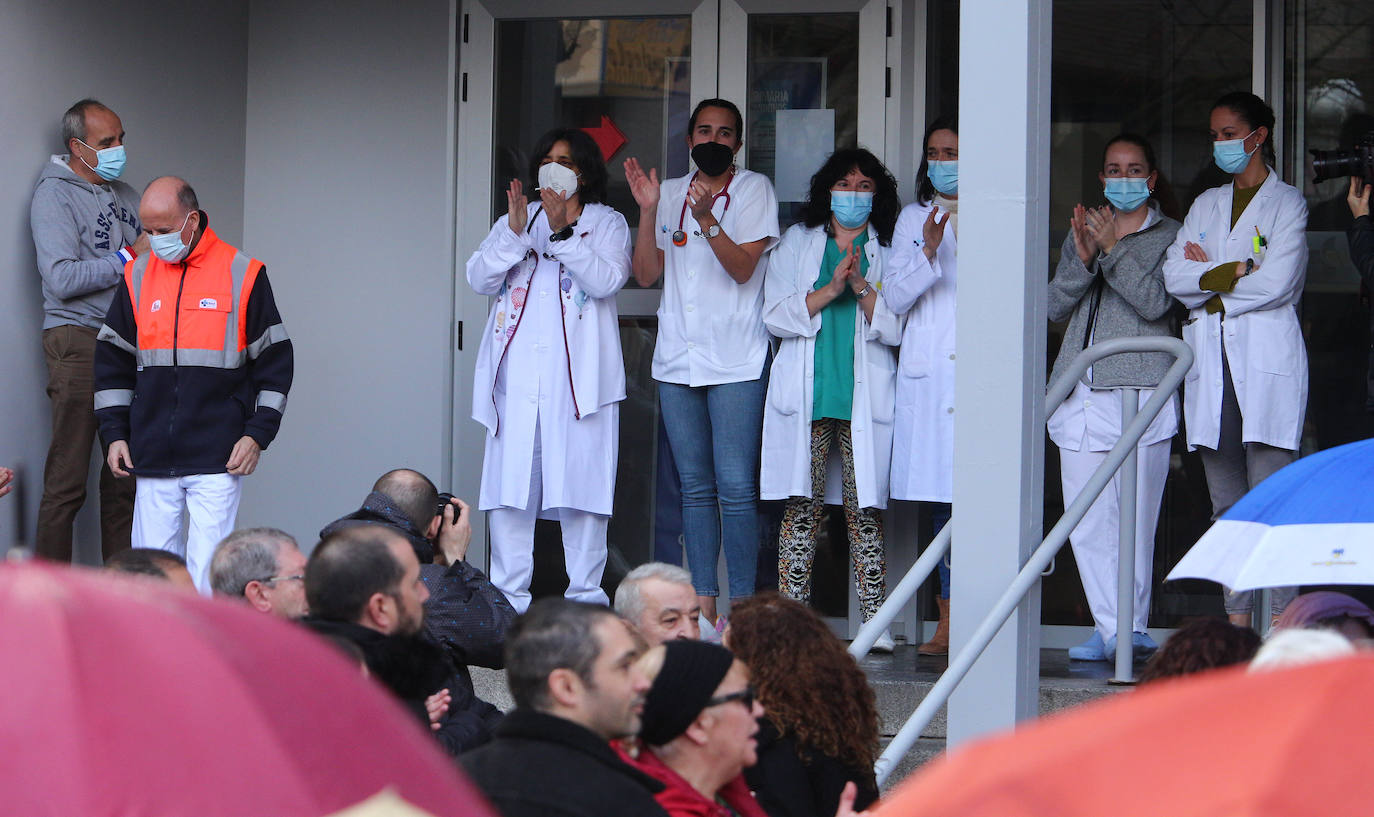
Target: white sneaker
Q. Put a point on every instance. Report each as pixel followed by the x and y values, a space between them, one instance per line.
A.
pixel 884 644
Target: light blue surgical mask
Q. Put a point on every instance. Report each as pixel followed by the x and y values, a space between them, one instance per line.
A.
pixel 1230 155
pixel 1127 193
pixel 851 207
pixel 109 162
pixel 944 176
pixel 169 246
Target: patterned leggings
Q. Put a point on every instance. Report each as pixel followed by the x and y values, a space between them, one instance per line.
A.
pixel 797 539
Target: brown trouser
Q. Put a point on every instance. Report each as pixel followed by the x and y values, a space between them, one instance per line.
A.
pixel 70 352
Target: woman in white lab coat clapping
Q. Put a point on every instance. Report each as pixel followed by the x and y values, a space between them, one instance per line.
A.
pixel 921 286
pixel 831 385
pixel 1239 264
pixel 550 376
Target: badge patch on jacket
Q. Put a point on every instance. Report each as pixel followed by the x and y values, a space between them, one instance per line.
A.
pixel 156 305
pixel 208 303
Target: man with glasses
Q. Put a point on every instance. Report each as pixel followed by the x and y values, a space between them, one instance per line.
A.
pixel 263 567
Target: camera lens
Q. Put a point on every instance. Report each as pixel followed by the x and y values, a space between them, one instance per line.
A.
pixel 1333 164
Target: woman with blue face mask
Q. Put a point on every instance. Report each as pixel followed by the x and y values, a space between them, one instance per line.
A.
pixel 1110 284
pixel 1239 264
pixel 921 286
pixel 831 385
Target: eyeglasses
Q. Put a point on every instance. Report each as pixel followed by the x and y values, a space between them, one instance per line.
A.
pixel 299 577
pixel 745 696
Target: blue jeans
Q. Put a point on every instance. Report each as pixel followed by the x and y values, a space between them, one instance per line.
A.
pixel 716 433
pixel 940 512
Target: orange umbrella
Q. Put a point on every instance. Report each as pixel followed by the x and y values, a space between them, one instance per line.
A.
pixel 1224 744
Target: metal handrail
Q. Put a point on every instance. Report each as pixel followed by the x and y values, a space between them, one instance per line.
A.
pixel 1133 429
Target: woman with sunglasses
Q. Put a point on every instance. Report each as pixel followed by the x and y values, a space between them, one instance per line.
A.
pixel 549 374
pixel 831 385
pixel 706 235
pixel 698 732
pixel 1239 264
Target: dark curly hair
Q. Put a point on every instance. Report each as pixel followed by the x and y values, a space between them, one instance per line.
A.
pixel 810 686
pixel 1207 643
pixel 585 154
pixel 886 202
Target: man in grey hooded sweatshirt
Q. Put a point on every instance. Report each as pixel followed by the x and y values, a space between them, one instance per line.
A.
pixel 85 228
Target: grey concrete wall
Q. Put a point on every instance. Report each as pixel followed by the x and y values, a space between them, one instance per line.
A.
pixel 349 206
pixel 175 73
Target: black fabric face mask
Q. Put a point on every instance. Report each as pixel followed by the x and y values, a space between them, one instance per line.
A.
pixel 713 158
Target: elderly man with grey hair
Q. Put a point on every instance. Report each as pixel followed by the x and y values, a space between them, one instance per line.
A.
pixel 659 600
pixel 265 568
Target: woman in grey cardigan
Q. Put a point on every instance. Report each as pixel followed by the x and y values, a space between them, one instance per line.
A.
pixel 1110 284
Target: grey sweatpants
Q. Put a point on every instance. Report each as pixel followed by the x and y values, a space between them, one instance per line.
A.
pixel 1232 470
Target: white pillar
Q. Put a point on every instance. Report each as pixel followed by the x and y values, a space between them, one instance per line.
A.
pixel 1004 128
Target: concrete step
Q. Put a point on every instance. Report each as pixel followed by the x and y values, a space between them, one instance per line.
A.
pixel 901 681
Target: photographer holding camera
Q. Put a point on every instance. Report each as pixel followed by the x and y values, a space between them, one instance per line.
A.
pixel 1361 239
pixel 464 612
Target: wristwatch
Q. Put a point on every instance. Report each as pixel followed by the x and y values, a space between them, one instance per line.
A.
pixel 712 231
pixel 563 234
pixel 863 293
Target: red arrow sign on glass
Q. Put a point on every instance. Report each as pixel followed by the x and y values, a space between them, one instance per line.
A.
pixel 608 137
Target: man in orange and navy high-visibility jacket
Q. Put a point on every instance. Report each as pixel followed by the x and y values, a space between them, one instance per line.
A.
pixel 192 369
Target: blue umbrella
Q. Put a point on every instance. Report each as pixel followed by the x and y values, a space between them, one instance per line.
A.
pixel 1309 523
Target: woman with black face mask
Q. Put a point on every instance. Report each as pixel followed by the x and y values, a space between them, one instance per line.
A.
pixel 706 233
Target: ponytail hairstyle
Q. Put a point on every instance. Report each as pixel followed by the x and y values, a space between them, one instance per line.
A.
pixel 1256 113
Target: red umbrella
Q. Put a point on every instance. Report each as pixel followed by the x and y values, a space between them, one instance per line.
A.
pixel 123 696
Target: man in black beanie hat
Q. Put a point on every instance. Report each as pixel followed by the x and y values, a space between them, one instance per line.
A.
pixel 698 728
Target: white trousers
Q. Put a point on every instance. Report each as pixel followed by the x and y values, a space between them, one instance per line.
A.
pixel 512 545
pixel 160 504
pixel 1095 538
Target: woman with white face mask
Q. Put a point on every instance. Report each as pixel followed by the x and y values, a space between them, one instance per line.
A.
pixel 920 285
pixel 1110 284
pixel 706 234
pixel 550 375
pixel 832 382
pixel 1239 264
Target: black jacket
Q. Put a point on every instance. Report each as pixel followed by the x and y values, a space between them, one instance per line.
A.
pixel 789 781
pixel 414 668
pixel 464 612
pixel 1361 239
pixel 540 765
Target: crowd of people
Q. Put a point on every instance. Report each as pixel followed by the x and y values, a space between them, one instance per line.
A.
pixel 797 365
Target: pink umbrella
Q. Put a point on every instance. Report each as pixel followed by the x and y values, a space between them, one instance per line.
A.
pixel 123 696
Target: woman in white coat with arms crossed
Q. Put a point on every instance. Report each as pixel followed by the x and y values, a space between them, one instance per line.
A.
pixel 832 382
pixel 550 375
pixel 1239 264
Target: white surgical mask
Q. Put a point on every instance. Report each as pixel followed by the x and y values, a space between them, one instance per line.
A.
pixel 169 246
pixel 558 178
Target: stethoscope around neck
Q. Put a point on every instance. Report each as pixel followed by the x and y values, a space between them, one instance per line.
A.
pixel 679 236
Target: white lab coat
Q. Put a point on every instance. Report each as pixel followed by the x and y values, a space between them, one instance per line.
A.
pixel 562 370
pixel 786 462
pixel 923 292
pixel 1264 344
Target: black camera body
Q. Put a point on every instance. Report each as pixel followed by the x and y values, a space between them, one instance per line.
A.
pixel 1332 164
pixel 444 501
